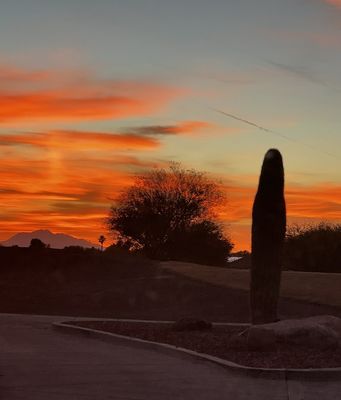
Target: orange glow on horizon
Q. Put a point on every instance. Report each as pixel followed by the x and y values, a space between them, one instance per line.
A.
pixel 80 204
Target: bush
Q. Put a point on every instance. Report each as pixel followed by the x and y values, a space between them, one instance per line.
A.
pixel 201 243
pixel 37 244
pixel 315 248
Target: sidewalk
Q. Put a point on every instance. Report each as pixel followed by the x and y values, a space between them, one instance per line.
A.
pixel 39 363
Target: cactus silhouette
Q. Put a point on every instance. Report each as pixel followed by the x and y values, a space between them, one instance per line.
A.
pixel 268 233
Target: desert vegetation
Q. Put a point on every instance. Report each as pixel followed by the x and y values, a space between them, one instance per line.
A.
pixel 168 214
pixel 307 248
pixel 314 248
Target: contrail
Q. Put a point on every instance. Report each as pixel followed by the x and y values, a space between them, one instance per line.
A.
pixel 245 121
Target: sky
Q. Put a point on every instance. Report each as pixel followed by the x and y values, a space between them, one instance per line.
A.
pixel 93 93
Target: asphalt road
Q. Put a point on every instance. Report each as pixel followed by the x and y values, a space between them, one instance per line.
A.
pixel 39 363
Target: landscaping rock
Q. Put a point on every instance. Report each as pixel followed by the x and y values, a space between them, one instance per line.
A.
pixel 191 324
pixel 321 332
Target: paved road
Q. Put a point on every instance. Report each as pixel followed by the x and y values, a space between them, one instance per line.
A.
pixel 38 363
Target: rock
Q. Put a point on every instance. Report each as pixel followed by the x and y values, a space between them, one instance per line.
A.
pixel 323 338
pixel 191 324
pixel 261 340
pixel 321 332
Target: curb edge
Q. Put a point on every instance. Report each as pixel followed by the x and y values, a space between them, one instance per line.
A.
pixel 272 373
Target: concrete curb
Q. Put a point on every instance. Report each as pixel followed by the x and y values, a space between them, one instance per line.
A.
pixel 77 318
pixel 318 374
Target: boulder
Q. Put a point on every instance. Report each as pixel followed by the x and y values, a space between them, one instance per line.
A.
pixel 191 324
pixel 322 332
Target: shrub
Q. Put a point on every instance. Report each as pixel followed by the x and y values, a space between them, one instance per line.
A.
pixel 169 214
pixel 202 243
pixel 315 248
pixel 37 244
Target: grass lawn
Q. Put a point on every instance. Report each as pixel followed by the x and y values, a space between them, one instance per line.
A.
pixel 315 287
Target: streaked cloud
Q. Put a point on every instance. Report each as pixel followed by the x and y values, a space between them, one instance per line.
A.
pixel 336 3
pixel 318 201
pixel 71 96
pixel 300 72
pixel 79 140
pixel 187 127
pixel 11 75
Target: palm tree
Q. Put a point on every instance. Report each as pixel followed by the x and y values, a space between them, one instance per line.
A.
pixel 101 240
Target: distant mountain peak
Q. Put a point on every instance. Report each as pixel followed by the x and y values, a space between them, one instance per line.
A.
pixel 55 240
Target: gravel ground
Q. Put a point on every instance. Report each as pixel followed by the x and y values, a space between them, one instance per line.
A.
pixel 220 342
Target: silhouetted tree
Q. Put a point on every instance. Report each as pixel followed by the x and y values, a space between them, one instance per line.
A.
pixel 37 244
pixel 201 242
pixel 101 240
pixel 170 214
pixel 268 233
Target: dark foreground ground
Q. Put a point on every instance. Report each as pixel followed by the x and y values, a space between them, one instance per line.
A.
pixel 88 285
pixel 39 363
pixel 227 342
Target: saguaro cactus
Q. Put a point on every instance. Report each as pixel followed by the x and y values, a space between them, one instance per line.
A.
pixel 268 233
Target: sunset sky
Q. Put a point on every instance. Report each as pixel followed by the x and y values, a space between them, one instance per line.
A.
pixel 92 92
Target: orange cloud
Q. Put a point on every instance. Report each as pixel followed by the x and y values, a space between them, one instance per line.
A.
pixel 44 193
pixel 319 202
pixel 49 95
pixel 192 127
pixel 322 39
pixel 336 3
pixel 76 202
pixel 79 140
pixel 187 127
pixel 10 75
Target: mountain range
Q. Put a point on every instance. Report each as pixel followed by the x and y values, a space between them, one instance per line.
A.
pixel 55 240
